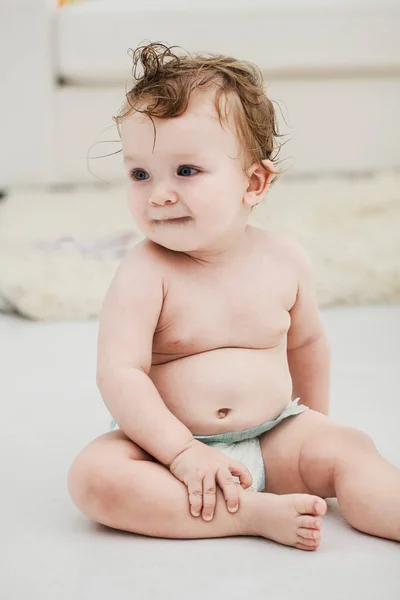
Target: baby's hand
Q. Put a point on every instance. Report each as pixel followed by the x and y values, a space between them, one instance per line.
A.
pixel 198 466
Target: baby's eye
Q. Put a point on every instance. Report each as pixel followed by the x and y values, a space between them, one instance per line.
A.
pixel 185 170
pixel 138 174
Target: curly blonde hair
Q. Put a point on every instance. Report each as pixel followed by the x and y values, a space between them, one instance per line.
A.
pixel 164 87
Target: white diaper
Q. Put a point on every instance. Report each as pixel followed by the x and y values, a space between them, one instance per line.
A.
pixel 248 452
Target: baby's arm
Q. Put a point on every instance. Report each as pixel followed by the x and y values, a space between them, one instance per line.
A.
pixel 127 323
pixel 308 347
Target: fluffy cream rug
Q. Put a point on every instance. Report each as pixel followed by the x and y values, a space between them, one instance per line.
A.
pixel 59 250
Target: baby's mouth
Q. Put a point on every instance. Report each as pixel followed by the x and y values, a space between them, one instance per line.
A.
pixel 176 220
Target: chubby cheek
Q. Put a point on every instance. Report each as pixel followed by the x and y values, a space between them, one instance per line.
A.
pixel 136 206
pixel 215 196
pixel 220 206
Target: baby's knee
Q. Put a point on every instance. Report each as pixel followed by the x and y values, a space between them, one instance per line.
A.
pixel 90 485
pixel 333 445
pixel 354 439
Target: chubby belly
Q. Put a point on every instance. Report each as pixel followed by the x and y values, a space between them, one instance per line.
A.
pixel 226 389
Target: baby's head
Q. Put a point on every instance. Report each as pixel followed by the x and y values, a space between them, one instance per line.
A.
pixel 198 137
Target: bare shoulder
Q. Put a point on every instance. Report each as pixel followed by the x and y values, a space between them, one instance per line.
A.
pixel 285 248
pixel 137 281
pixel 145 259
pixel 131 310
pixel 145 251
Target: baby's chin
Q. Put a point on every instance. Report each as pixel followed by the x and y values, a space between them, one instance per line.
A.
pixel 174 245
pixel 175 237
pixel 172 236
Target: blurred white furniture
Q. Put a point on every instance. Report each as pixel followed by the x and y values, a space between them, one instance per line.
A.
pixel 334 67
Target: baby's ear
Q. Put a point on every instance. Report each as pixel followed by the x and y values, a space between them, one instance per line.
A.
pixel 259 181
pixel 268 164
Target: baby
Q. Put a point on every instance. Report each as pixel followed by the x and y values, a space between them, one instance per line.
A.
pixel 212 357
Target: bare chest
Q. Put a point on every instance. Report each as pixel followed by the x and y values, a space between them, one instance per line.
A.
pixel 202 313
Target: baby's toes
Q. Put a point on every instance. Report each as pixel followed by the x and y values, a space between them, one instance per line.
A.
pixel 306 545
pixel 309 534
pixel 310 505
pixel 309 522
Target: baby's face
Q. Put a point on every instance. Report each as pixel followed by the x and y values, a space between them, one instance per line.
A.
pixel 188 193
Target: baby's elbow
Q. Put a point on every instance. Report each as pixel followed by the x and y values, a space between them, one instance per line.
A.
pixel 322 347
pixel 327 345
pixel 316 340
pixel 99 379
pixel 104 375
pixel 321 342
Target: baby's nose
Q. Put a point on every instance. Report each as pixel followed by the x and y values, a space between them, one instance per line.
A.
pixel 162 202
pixel 161 195
pixel 163 199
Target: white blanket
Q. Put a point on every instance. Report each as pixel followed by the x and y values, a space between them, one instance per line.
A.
pixel 59 251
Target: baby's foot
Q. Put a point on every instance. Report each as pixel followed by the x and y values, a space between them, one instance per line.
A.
pixel 291 519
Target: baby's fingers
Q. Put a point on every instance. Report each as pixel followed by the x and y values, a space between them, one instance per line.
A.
pixel 240 470
pixel 209 496
pixel 195 489
pixel 229 488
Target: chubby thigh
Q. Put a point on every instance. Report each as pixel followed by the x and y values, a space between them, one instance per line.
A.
pixel 300 453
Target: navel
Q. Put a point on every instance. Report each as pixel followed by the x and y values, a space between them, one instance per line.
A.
pixel 223 412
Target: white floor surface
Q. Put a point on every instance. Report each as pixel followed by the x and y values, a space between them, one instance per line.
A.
pixel 51 409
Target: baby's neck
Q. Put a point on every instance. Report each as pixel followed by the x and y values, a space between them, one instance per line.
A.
pixel 225 254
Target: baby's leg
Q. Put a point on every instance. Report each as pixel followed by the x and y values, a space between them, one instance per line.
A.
pixel 368 488
pixel 310 453
pixel 116 483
